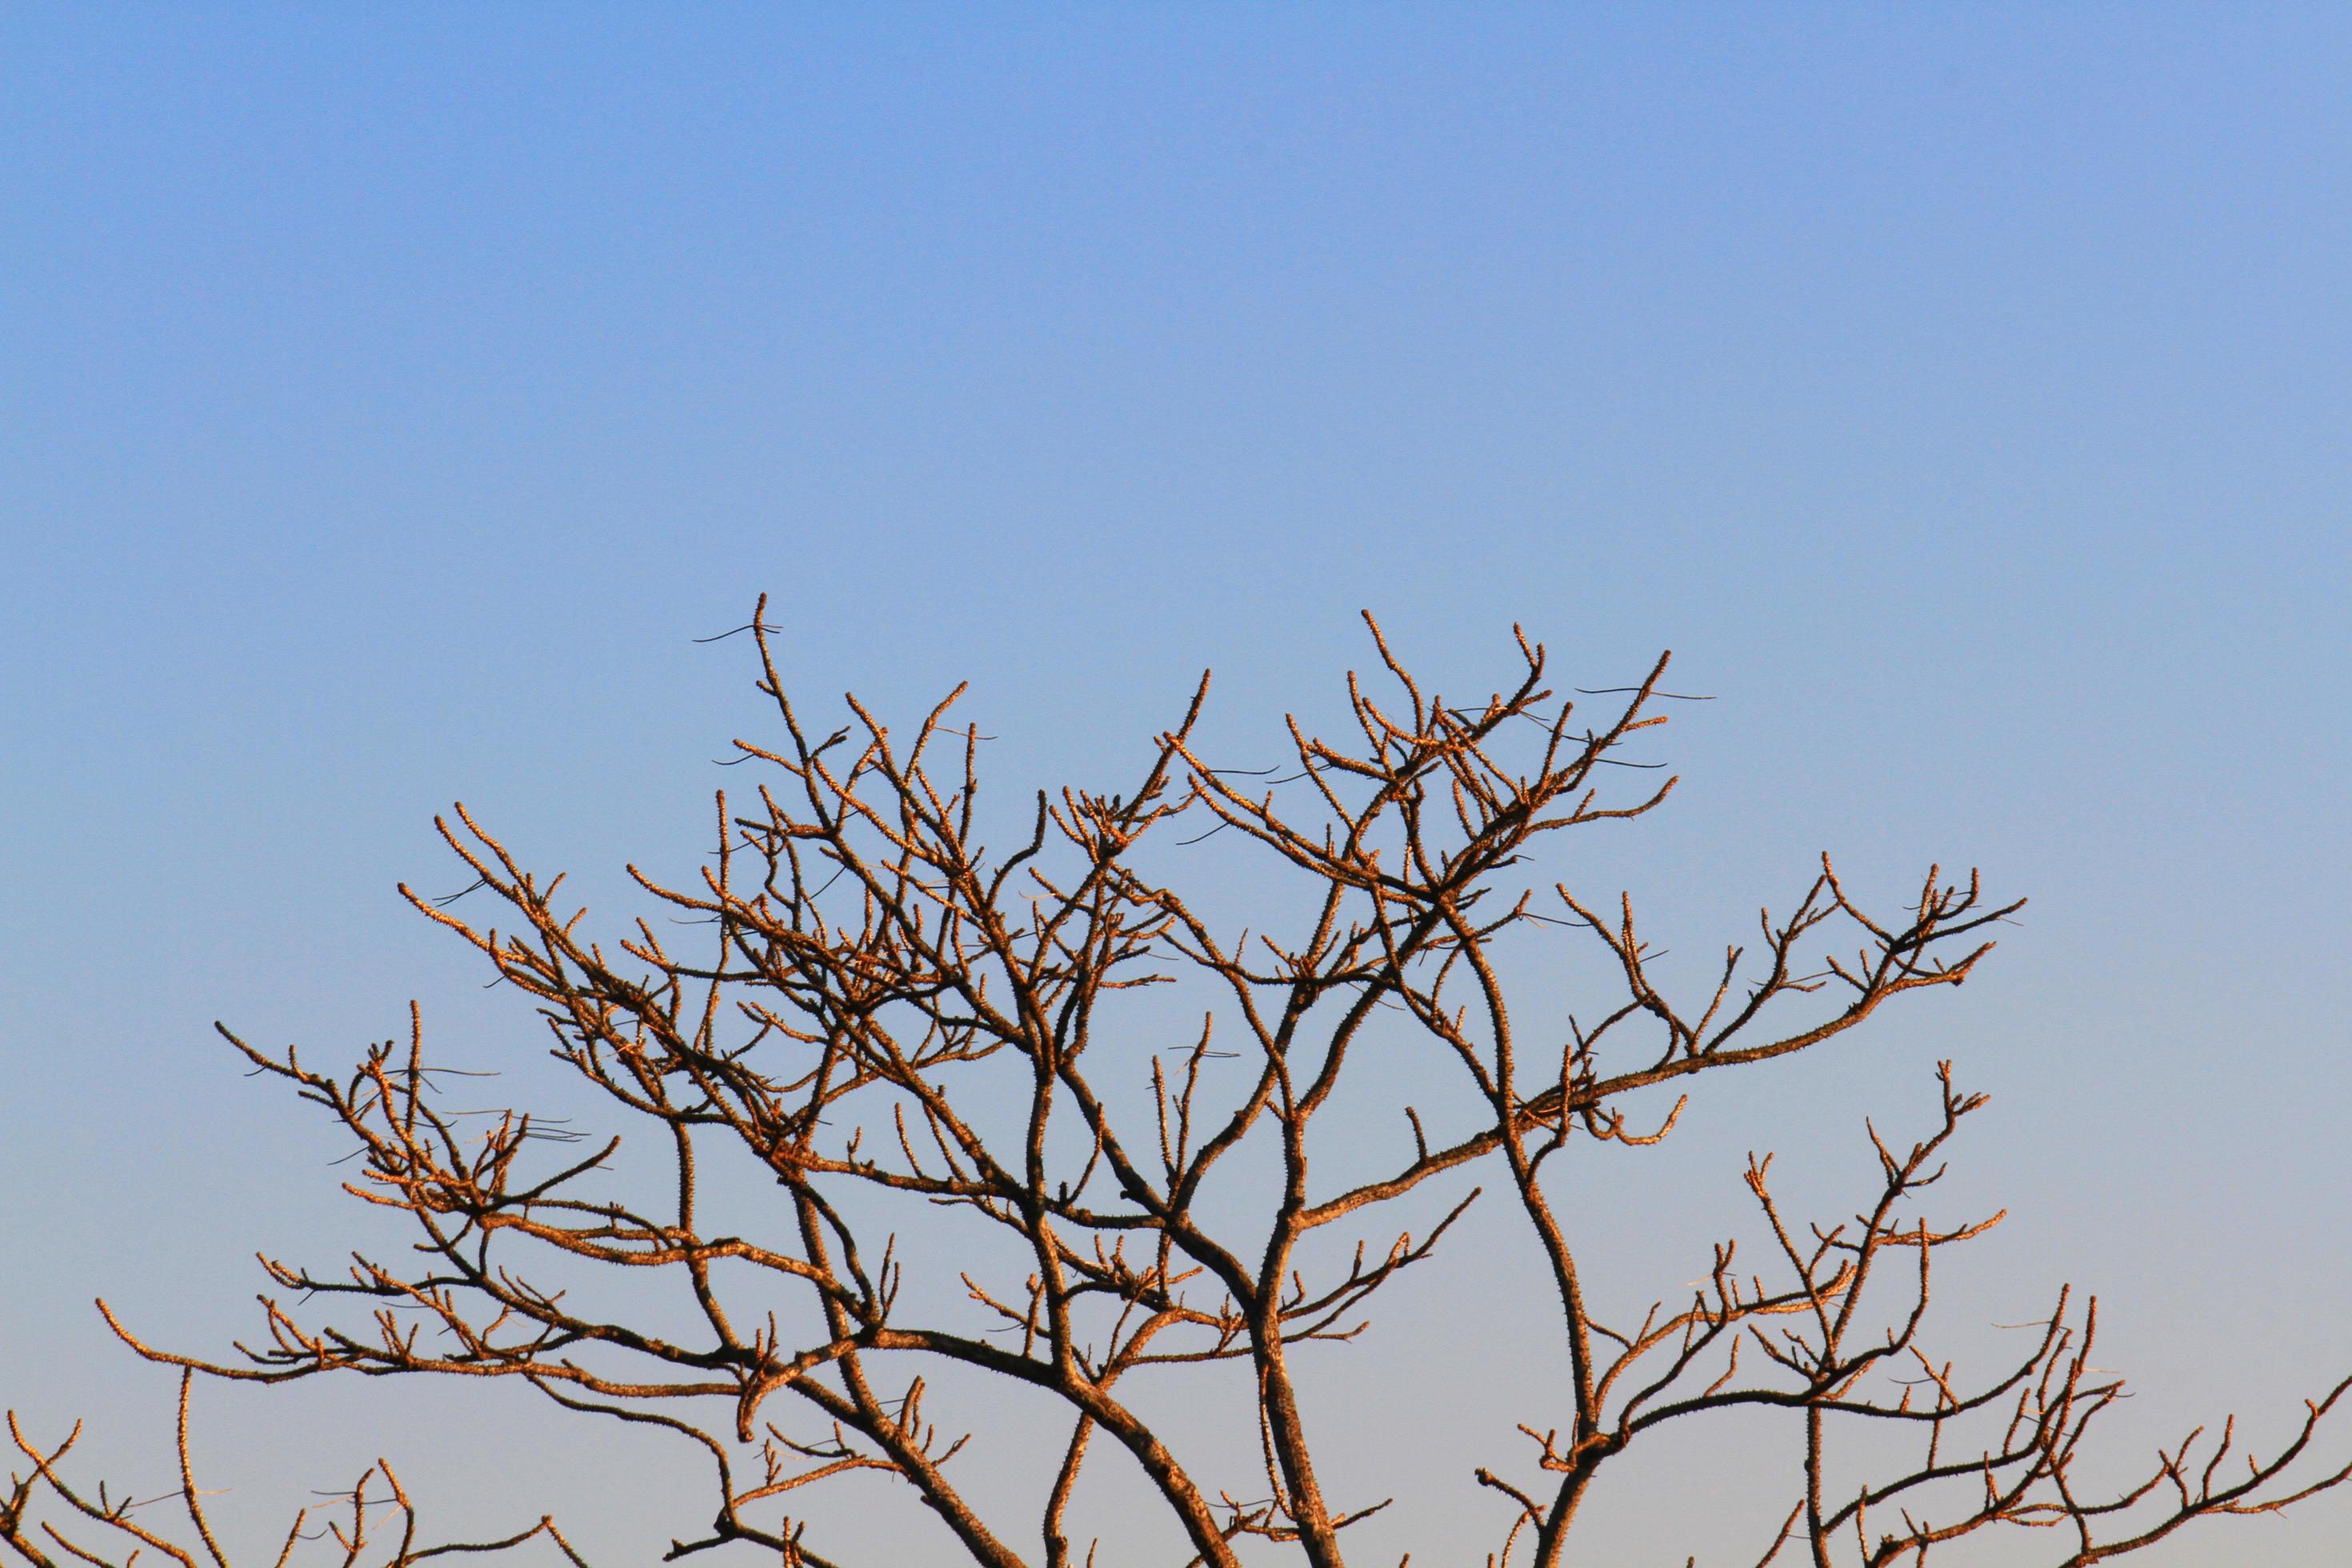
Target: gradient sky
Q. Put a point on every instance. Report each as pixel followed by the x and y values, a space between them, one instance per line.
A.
pixel 389 395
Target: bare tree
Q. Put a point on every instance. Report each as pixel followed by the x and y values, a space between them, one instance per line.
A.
pixel 882 1012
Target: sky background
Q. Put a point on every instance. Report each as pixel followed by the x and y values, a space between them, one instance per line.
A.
pixel 388 397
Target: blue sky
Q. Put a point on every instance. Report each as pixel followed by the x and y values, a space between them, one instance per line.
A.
pixel 389 397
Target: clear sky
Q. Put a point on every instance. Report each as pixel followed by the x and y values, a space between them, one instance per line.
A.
pixel 389 395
